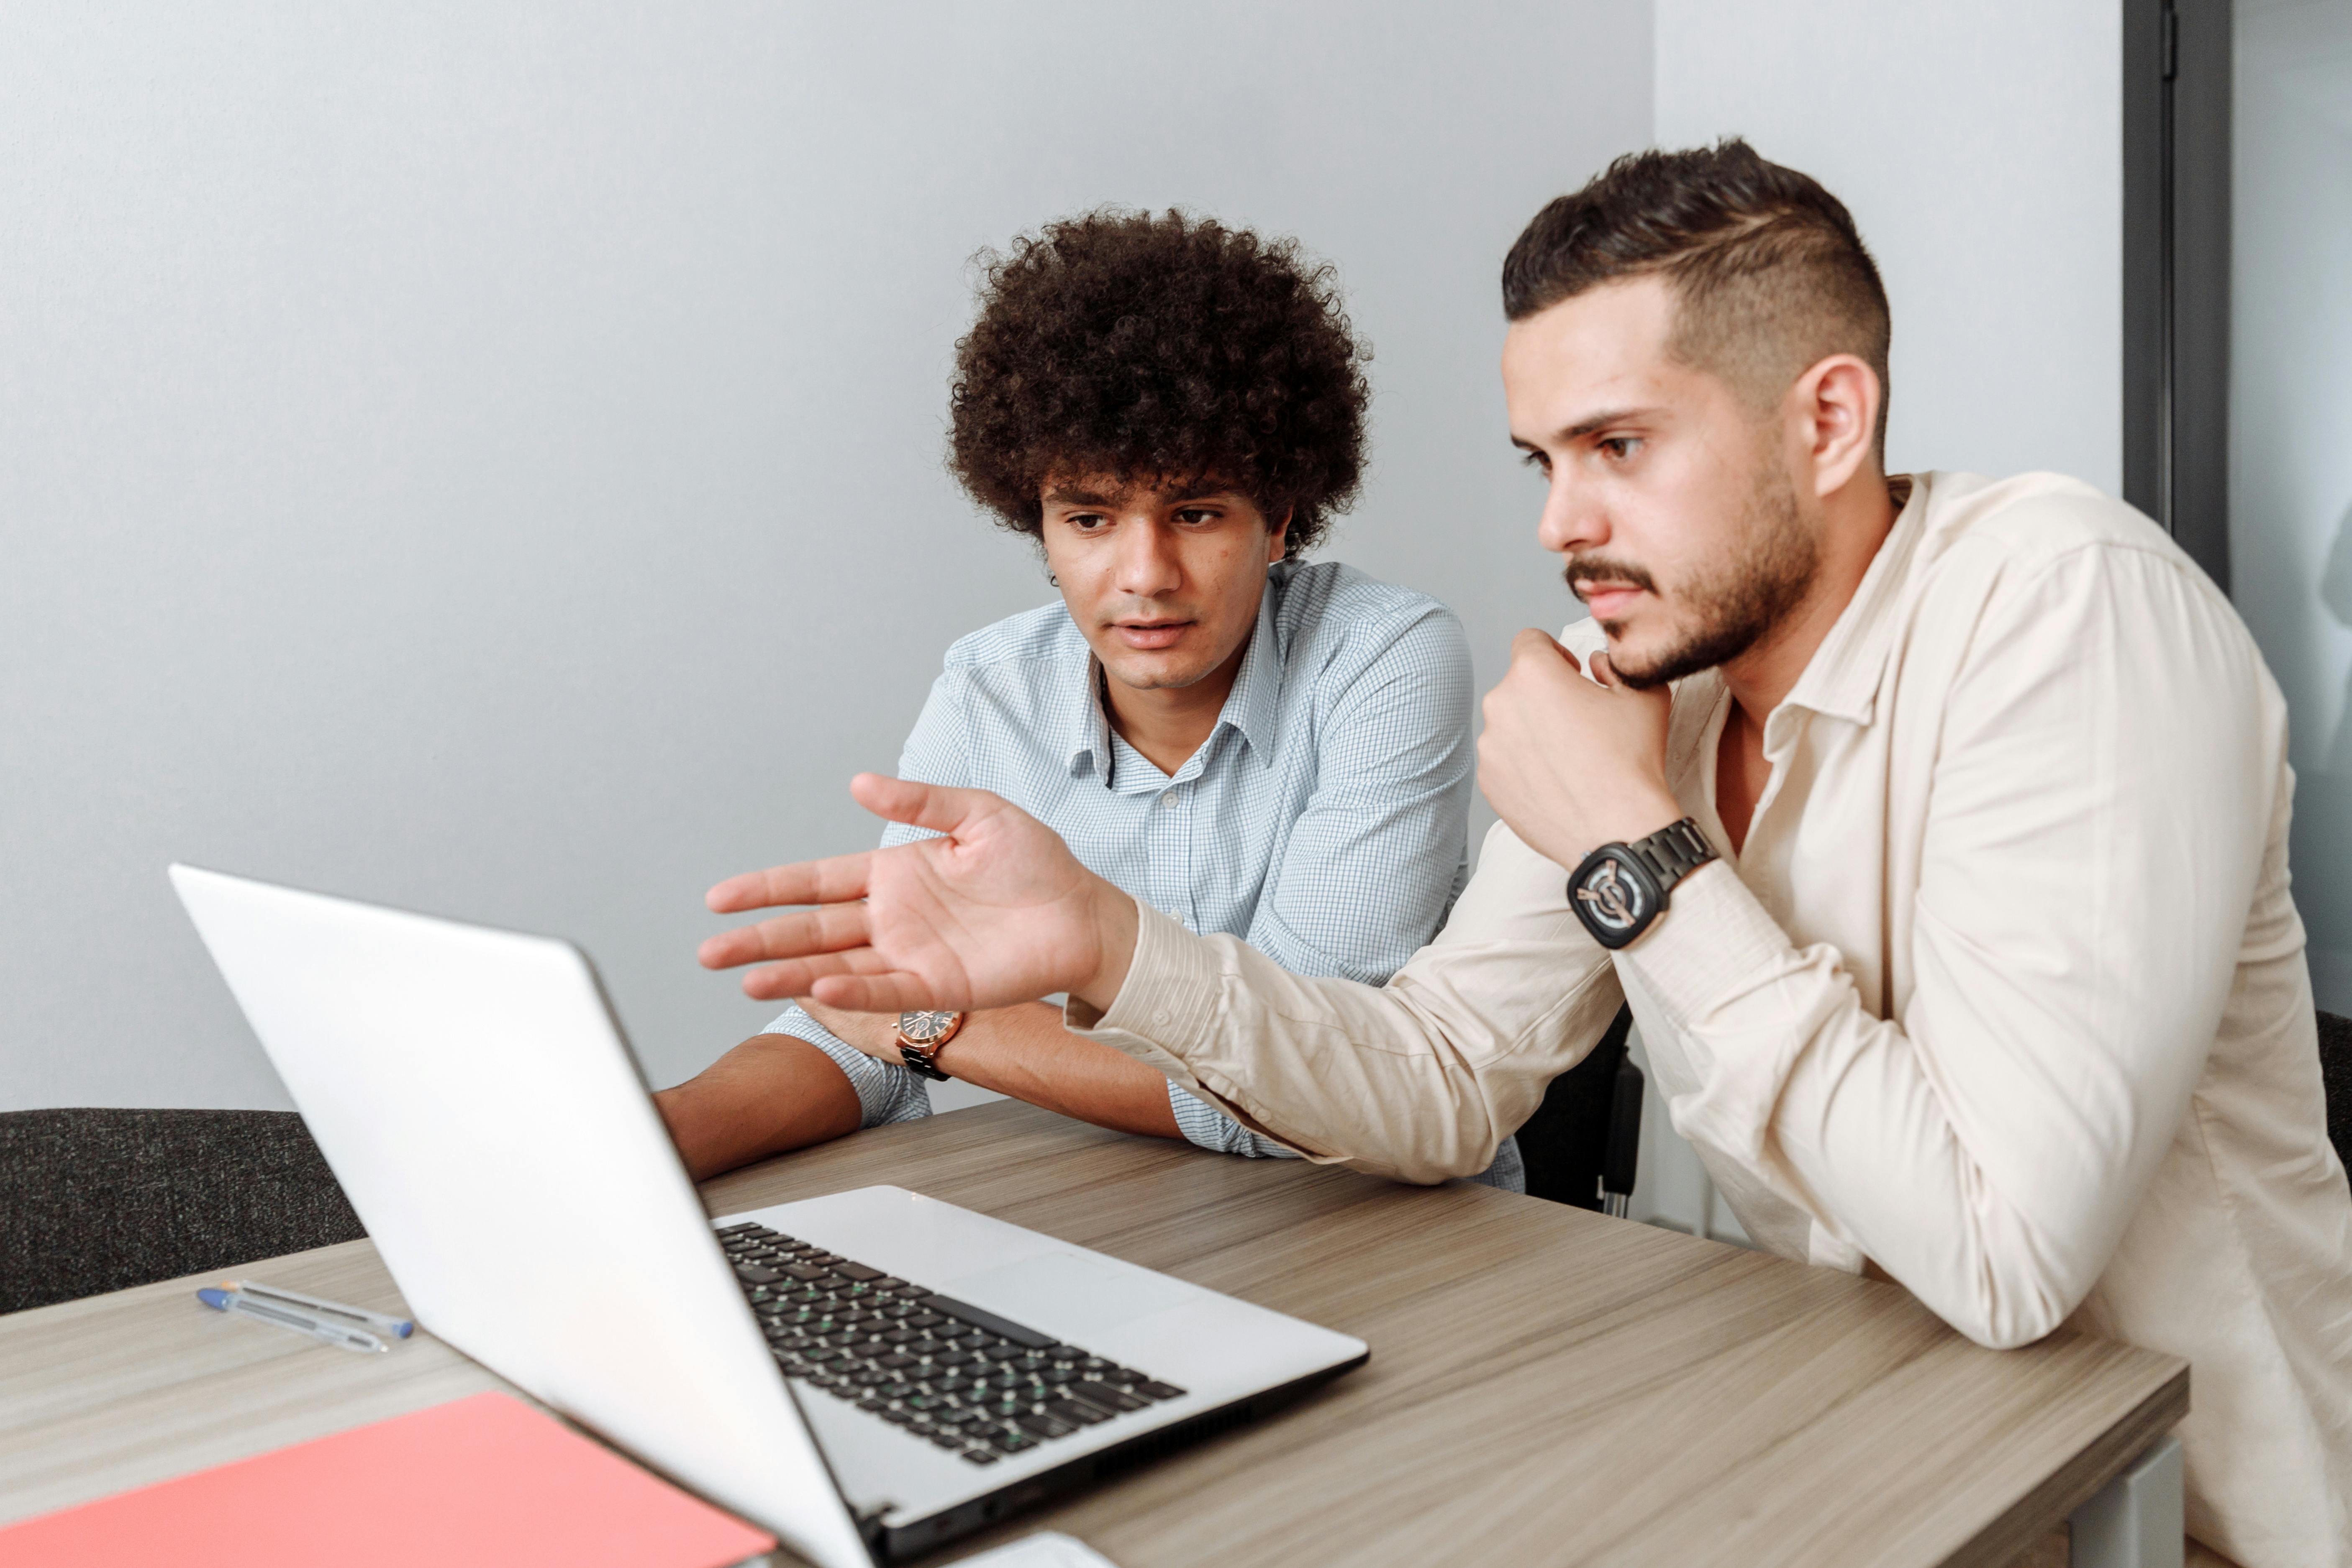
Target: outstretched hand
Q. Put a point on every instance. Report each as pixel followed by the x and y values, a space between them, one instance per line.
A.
pixel 998 911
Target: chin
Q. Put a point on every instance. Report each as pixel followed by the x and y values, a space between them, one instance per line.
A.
pixel 1154 675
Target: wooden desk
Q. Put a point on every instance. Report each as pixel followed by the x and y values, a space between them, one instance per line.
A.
pixel 1546 1385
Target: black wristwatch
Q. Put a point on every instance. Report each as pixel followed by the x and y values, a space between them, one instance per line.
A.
pixel 1619 890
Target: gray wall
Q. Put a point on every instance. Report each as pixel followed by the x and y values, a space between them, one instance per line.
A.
pixel 485 458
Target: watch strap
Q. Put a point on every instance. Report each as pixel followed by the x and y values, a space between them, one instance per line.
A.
pixel 1671 854
pixel 918 1059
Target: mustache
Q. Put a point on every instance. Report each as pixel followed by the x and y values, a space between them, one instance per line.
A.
pixel 1605 568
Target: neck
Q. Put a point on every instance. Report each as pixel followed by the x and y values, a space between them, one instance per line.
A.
pixel 1855 521
pixel 1168 723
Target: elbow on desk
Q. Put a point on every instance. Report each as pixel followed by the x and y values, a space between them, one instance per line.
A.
pixel 2006 1308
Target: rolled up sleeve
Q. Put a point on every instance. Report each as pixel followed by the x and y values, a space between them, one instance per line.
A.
pixel 887 1091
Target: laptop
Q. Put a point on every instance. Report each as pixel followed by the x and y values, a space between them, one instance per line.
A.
pixel 867 1375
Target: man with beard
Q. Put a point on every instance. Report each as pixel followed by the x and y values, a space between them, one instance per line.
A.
pixel 1934 827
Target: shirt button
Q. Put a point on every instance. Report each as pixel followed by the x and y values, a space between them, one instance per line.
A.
pixel 1168 801
pixel 1161 1016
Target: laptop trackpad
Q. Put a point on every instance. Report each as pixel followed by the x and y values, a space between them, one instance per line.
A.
pixel 1068 1295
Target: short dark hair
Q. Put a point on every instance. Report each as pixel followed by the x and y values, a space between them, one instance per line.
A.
pixel 1162 350
pixel 1769 273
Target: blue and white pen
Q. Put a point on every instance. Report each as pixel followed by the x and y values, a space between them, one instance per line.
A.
pixel 333 1311
pixel 237 1304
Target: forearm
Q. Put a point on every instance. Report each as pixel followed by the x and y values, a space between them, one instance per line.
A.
pixel 770 1094
pixel 1419 1080
pixel 1025 1053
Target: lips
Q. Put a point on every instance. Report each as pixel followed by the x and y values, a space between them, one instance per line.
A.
pixel 1608 602
pixel 1147 637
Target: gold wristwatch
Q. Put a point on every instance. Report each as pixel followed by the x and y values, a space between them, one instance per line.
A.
pixel 921 1035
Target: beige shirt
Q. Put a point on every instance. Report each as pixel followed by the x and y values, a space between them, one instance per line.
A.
pixel 2007 991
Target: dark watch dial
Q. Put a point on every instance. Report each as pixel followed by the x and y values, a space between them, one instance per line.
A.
pixel 1615 896
pixel 925 1029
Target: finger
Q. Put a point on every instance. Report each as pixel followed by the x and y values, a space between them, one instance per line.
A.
pixel 799 976
pixel 942 808
pixel 838 880
pixel 1534 644
pixel 895 992
pixel 829 929
pixel 1606 673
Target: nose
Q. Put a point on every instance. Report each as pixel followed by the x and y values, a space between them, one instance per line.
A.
pixel 1573 519
pixel 1148 566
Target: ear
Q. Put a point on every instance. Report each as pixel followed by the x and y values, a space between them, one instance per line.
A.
pixel 1278 536
pixel 1836 404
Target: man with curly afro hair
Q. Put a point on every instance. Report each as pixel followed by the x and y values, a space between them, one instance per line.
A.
pixel 1173 412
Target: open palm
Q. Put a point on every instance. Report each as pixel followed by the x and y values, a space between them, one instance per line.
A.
pixel 997 910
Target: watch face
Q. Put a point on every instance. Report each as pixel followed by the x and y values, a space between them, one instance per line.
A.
pixel 1615 897
pixel 924 1028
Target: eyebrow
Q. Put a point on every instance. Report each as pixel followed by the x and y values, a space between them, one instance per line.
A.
pixel 1583 428
pixel 1077 499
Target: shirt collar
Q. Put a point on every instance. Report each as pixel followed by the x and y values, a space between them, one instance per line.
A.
pixel 1255 704
pixel 1843 678
pixel 1252 708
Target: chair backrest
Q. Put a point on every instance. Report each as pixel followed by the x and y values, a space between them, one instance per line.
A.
pixel 1566 1143
pixel 2336 1072
pixel 95 1200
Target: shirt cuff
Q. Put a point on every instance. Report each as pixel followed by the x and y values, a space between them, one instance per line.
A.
pixel 887 1091
pixel 1714 938
pixel 1716 946
pixel 1170 995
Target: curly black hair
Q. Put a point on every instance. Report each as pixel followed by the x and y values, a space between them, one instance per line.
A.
pixel 1160 349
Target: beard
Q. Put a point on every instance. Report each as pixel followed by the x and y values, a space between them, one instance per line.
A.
pixel 1764 574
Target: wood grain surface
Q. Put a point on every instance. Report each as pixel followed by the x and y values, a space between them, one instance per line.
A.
pixel 1546 1385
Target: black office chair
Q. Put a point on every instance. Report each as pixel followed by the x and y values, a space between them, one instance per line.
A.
pixel 2336 1074
pixel 94 1200
pixel 1584 1141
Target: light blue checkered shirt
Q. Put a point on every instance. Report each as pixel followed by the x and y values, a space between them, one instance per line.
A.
pixel 1325 821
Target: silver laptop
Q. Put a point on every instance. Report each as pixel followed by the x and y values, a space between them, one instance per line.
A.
pixel 867 1375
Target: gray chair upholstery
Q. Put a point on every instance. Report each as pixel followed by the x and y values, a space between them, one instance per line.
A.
pixel 94 1200
pixel 2336 1072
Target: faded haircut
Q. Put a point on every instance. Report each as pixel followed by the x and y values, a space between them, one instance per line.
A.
pixel 1768 274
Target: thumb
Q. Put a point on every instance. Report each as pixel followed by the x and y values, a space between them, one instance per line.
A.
pixel 940 807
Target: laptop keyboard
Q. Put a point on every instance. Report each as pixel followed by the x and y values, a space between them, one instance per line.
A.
pixel 971 1382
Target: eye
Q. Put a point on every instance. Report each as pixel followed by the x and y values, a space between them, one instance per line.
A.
pixel 1620 447
pixel 1197 514
pixel 1537 461
pixel 1086 522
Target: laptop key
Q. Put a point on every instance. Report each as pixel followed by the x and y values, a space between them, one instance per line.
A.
pixel 1106 1396
pixel 1042 1426
pixel 857 1272
pixel 980 1456
pixel 1077 1412
pixel 982 1318
pixel 753 1274
pixel 1157 1391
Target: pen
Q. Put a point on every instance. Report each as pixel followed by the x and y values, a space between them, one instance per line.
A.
pixel 334 1312
pixel 291 1318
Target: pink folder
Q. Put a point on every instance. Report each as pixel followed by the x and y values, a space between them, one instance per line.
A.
pixel 485 1481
